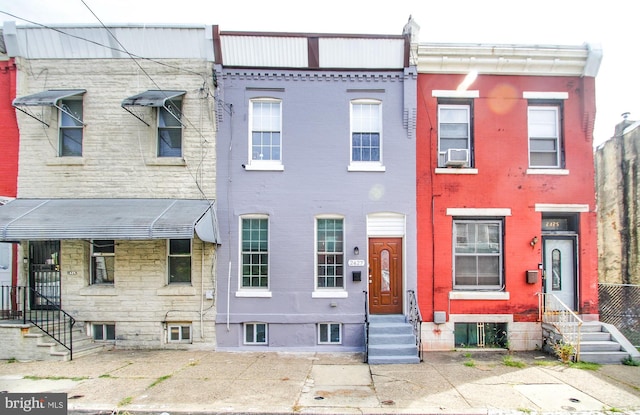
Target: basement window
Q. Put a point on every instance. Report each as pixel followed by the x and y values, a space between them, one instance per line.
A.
pixel 329 333
pixel 255 333
pixel 179 333
pixel 481 335
pixel 104 331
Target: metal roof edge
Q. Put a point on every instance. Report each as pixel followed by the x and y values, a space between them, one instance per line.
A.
pixel 310 35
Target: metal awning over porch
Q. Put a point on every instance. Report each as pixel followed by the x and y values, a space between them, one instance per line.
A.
pixel 51 219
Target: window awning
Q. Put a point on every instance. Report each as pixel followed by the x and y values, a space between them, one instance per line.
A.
pixel 48 98
pixel 151 98
pixel 50 219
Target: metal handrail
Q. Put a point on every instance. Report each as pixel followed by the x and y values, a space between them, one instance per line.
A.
pixel 48 316
pixel 366 326
pixel 568 324
pixel 415 318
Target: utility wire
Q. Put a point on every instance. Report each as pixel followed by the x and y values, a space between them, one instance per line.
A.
pixel 133 57
pixel 100 44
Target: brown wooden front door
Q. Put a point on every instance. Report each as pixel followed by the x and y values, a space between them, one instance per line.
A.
pixel 385 275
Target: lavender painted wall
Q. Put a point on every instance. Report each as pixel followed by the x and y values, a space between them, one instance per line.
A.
pixel 315 181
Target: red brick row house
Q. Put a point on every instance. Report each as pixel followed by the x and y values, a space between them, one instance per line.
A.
pixel 505 190
pixel 8 158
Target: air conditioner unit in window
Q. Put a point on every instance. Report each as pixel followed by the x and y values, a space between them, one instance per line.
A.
pixel 456 157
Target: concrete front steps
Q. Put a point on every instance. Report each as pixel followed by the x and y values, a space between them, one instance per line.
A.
pixel 599 343
pixel 603 343
pixel 391 340
pixel 49 349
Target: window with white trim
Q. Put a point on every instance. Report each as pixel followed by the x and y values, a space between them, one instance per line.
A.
pixel 179 333
pixel 265 131
pixel 545 141
pixel 255 252
pixel 366 131
pixel 255 333
pixel 330 253
pixel 478 254
pixel 455 128
pixel 103 331
pixel 329 333
pixel 170 128
pixel 179 259
pixel 70 127
pixel 103 256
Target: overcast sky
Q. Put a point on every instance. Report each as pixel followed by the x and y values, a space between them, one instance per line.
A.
pixel 608 23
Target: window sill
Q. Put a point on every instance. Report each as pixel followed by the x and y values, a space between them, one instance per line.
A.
pixel 254 294
pixel 452 170
pixel 329 294
pixel 553 172
pixel 273 167
pixel 167 161
pixel 479 295
pixel 184 290
pixel 366 167
pixel 66 161
pixel 99 290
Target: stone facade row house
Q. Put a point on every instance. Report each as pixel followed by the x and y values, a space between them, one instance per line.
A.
pixel 182 186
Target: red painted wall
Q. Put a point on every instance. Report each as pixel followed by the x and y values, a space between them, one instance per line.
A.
pixel 9 136
pixel 501 157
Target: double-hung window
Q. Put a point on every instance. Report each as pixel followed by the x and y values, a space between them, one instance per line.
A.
pixel 102 261
pixel 455 133
pixel 170 128
pixel 545 141
pixel 478 253
pixel 179 258
pixel 330 253
pixel 366 133
pixel 70 127
pixel 265 131
pixel 255 252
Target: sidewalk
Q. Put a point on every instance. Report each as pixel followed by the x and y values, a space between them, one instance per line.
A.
pixel 200 382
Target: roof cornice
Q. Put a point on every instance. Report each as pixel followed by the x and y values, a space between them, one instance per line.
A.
pixel 499 59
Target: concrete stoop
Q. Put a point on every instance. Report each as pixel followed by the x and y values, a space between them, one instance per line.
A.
pixel 391 340
pixel 32 343
pixel 600 343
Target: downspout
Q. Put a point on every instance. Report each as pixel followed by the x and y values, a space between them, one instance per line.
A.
pixel 202 291
pixel 228 295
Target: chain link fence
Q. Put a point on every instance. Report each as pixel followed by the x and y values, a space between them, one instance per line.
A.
pixel 620 306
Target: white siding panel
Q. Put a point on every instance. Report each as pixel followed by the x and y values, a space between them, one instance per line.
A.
pixel 263 51
pixel 385 224
pixel 361 53
pixel 96 42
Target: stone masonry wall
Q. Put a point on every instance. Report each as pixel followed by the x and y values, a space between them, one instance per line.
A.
pixel 618 189
pixel 140 302
pixel 119 151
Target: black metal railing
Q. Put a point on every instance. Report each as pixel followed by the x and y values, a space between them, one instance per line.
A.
pixel 11 304
pixel 415 319
pixel 366 327
pixel 47 315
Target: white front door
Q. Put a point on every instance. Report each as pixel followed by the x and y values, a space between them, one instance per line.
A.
pixel 560 269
